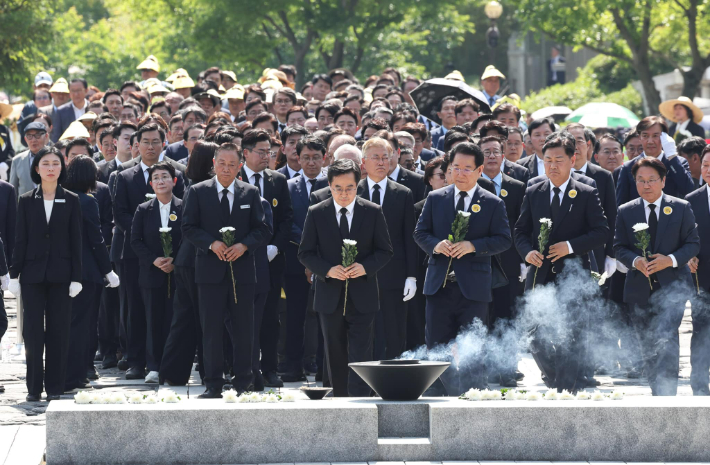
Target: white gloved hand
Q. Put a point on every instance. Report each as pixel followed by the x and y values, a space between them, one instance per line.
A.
pixel 621 267
pixel 5 282
pixel 668 144
pixel 271 251
pixel 609 266
pixel 14 287
pixel 113 280
pixel 410 288
pixel 523 272
pixel 3 171
pixel 74 289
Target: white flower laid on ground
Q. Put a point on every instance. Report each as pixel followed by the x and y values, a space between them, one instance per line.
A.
pixel 472 394
pixel 117 398
pixel 136 398
pixel 82 397
pixel 230 396
pixel 170 397
pixel 150 399
pixel 510 395
pixel 519 395
pixel 491 395
pixel 532 395
pixel 254 397
pixel 551 395
pixel 597 395
pixel 640 227
pixel 566 395
pixel 270 398
pixel 288 397
pixel 616 395
pixel 97 398
pixel 583 395
pixel 149 196
pixel 243 399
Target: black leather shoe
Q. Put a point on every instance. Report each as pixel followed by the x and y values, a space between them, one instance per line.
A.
pixel 109 362
pixel 519 375
pixel 310 368
pixel 135 373
pixel 98 357
pixel 92 374
pixel 319 376
pixel 293 377
pixel 508 381
pixel 51 397
pixel 593 382
pixel 258 382
pixel 211 393
pixel 32 398
pixel 271 379
pixel 122 364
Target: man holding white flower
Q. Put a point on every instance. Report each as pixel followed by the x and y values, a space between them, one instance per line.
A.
pixel 658 282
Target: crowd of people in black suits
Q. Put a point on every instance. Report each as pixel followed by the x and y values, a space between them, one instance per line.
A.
pixel 151 244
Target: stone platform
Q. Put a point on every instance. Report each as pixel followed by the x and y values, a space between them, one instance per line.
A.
pixel 635 429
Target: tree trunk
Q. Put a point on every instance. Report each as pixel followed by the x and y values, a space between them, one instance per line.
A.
pixel 691 81
pixel 653 97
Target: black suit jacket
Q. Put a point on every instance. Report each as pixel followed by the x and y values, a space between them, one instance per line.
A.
pixel 176 151
pixel 105 203
pixel 146 243
pixel 3 262
pixel 202 221
pixel 413 181
pixel 515 171
pixel 679 183
pixel 581 223
pixel 698 200
pixel 261 258
pixel 693 128
pixel 427 154
pixel 398 208
pixel 94 258
pixel 277 194
pixel 62 118
pixel 48 252
pixel 512 193
pixel 8 217
pixel 321 249
pixel 105 169
pixel 530 162
pixel 607 198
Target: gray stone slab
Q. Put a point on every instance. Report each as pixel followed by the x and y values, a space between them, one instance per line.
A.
pixel 403 419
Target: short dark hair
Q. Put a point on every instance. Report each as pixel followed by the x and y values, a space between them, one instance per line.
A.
pixel 341 167
pixel 329 107
pixel 650 121
pixel 79 141
pixel 312 142
pixel 414 129
pixel 253 103
pixel 706 150
pixel 610 137
pixel 161 166
pixel 82 81
pixel 631 135
pixel 118 128
pixel 454 136
pixel 81 174
pixel 407 116
pixel 289 69
pixel 106 132
pixel 516 130
pixel 111 92
pixel 297 109
pixel 186 132
pixel 345 111
pixel 650 162
pixel 226 134
pixel 296 129
pixel 133 108
pixel 487 139
pixel 560 139
pixel 378 124
pixel 446 99
pixel 322 77
pixel 541 122
pixel 692 146
pixel 197 111
pixel 254 89
pixel 45 151
pixel 229 147
pixel 467 102
pixel 129 84
pixel 253 137
pixel 176 118
pixel 266 117
pixel 481 117
pixel 290 93
pixel 44 116
pixel 506 108
pixel 200 164
pixel 590 137
pixel 150 127
pixel 494 126
pixel 468 148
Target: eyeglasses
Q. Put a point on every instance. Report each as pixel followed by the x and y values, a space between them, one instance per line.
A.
pixel 262 153
pixel 611 152
pixel 465 171
pixel 650 182
pixel 492 153
pixel 36 136
pixel 340 190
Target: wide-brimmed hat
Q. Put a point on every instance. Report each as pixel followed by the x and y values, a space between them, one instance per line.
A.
pixel 492 71
pixel 88 116
pixel 180 72
pixel 231 75
pixel 183 82
pixel 60 86
pixel 236 92
pixel 5 110
pixel 150 63
pixel 455 75
pixel 210 94
pixel 75 130
pixel 666 109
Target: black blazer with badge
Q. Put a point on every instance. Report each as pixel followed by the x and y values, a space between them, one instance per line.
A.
pixel 202 221
pixel 515 171
pixel 321 249
pixel 582 223
pixel 145 239
pixel 698 200
pixel 398 208
pixel 512 193
pixel 48 252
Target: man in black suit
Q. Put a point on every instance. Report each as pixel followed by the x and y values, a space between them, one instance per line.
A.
pixel 397 280
pixel 72 110
pixel 256 147
pixel 553 75
pixel 132 186
pixel 511 191
pixel 658 283
pixel 653 132
pixel 290 137
pixel 190 116
pixel 347 322
pixel 500 130
pixel 539 129
pixel 692 150
pixel 578 227
pixel 409 179
pixel 121 139
pixel 459 280
pixel 210 206
pixel 700 266
pixel 8 212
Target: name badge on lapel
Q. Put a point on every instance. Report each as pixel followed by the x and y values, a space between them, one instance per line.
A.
pixel 243 207
pixel 60 201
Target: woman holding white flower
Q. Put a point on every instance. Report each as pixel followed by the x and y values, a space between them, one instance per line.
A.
pixel 156 238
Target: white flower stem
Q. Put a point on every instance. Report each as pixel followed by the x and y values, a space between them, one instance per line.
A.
pixel 345 302
pixel 447 270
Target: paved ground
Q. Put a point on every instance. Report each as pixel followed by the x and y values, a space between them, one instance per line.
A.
pixel 22 424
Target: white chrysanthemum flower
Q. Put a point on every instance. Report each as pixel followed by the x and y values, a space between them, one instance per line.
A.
pixel 349 242
pixel 96 398
pixel 583 395
pixel 602 280
pixel 465 214
pixel 616 395
pixel 532 395
pixel 135 398
pixel 596 395
pixel 473 394
pixel 82 397
pixel 552 395
pixel 150 399
pixel 566 395
pixel 491 395
pixel 117 398
pixel 170 397
pixel 150 196
pixel 270 399
pixel 230 396
pixel 165 230
pixel 254 397
pixel 288 397
pixel 519 395
pixel 546 221
pixel 243 399
pixel 640 227
pixel 510 395
pixel 226 228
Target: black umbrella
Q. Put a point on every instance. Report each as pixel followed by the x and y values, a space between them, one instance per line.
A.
pixel 428 95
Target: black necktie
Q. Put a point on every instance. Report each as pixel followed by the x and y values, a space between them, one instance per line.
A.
pixel 461 204
pixel 257 181
pixel 295 175
pixel 312 182
pixel 555 205
pixel 344 228
pixel 392 179
pixel 579 172
pixel 652 225
pixel 376 195
pixel 224 204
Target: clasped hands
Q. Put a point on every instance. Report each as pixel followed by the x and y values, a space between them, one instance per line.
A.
pixel 228 254
pixel 454 250
pixel 659 262
pixel 556 252
pixel 342 273
pixel 165 264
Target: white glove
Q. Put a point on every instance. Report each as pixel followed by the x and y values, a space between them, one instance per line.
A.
pixel 3 171
pixel 523 272
pixel 74 289
pixel 410 288
pixel 5 280
pixel 621 267
pixel 113 280
pixel 668 144
pixel 609 266
pixel 272 251
pixel 14 287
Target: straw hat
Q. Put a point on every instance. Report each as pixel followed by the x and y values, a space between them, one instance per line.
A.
pixel 236 92
pixel 150 63
pixel 492 71
pixel 60 86
pixel 183 82
pixel 180 72
pixel 231 75
pixel 88 116
pixel 666 109
pixel 5 110
pixel 455 75
pixel 75 129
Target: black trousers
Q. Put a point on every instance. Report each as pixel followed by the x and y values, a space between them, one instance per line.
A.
pixel 504 360
pixel 700 345
pixel 93 327
pixel 50 302
pixel 347 339
pixel 158 304
pixel 297 289
pixel 259 302
pixel 447 313
pixel 185 334
pixel 390 325
pixel 109 320
pixel 3 315
pixel 215 302
pixel 270 325
pixel 629 352
pixel 135 315
pixel 85 303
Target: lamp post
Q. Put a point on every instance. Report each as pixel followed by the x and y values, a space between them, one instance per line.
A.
pixel 493 11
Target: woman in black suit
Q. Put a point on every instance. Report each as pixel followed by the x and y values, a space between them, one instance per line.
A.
pixel 46 268
pixel 81 180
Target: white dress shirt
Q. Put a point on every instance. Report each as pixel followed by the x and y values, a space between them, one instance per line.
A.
pixel 497 181
pixel 647 211
pixel 251 178
pixel 349 214
pixel 467 199
pixel 79 112
pixel 308 184
pixel 563 188
pixel 48 204
pixel 293 173
pixel 394 174
pixel 383 188
pixel 540 165
pixel 582 169
pixel 164 213
pixel 230 194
